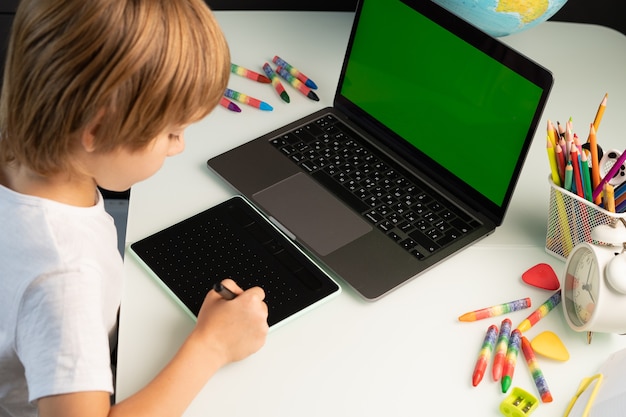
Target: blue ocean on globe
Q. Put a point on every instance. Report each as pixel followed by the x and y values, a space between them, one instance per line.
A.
pixel 503 17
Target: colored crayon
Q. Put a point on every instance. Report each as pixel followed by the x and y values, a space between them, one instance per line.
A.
pixel 293 71
pixel 485 354
pixel 500 351
pixel 535 371
pixel 616 167
pixel 226 103
pixel 244 72
pixel 276 82
pixel 541 312
pixel 250 101
pixel 297 84
pixel 511 360
pixel 496 310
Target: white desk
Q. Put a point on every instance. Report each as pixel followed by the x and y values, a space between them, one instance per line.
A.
pixel 405 354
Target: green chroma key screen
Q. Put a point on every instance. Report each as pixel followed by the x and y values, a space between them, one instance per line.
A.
pixel 463 109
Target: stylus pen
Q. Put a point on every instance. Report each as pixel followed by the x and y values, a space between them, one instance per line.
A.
pixel 223 291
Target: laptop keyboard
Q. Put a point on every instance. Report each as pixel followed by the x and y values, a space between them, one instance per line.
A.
pixel 404 209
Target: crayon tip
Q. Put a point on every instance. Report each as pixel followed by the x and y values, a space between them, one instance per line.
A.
pixel 313 96
pixel 263 79
pixel 546 397
pixel 265 106
pixel 476 378
pixel 285 96
pixel 506 383
pixel 467 317
pixel 311 84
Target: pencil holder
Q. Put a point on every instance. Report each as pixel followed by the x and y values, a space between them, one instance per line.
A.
pixel 570 220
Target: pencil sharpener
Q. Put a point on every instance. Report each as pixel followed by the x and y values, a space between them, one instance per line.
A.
pixel 519 403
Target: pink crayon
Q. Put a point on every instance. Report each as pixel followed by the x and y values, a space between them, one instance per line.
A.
pixel 501 348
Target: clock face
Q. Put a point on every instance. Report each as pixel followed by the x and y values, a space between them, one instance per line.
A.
pixel 581 286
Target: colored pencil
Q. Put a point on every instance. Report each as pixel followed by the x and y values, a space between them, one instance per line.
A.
pixel 554 170
pixel 600 112
pixel 250 101
pixel 609 198
pixel 244 72
pixel 297 84
pixel 586 177
pixel 484 354
pixel 552 133
pixel 577 182
pixel 295 72
pixel 569 173
pixel 226 103
pixel 560 161
pixel 595 159
pixel 276 82
pixel 535 371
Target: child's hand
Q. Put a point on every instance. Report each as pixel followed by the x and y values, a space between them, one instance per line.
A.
pixel 233 329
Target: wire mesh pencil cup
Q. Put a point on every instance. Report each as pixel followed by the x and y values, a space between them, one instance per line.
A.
pixel 570 220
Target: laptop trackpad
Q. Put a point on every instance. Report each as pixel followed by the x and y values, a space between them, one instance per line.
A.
pixel 311 213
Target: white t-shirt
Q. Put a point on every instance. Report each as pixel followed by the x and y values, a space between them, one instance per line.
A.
pixel 60 290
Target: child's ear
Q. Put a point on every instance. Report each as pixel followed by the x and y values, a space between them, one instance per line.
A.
pixel 88 137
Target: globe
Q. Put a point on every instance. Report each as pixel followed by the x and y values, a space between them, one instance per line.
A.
pixel 503 17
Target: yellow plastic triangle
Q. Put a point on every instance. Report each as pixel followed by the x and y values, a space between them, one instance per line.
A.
pixel 549 345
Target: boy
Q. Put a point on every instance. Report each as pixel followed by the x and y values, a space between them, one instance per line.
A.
pixel 98 93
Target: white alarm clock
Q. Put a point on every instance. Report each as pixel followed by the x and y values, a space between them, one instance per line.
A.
pixel 594 286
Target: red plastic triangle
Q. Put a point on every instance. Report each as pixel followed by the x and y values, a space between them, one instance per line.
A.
pixel 542 276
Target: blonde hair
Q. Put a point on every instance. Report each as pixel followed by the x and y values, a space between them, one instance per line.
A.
pixel 143 65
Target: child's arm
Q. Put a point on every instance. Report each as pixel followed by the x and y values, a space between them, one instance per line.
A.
pixel 227 331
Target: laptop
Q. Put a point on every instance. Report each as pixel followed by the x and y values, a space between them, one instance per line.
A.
pixel 417 158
